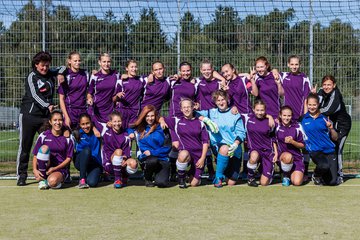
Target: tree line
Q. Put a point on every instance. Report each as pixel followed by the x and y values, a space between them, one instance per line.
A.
pixel 226 38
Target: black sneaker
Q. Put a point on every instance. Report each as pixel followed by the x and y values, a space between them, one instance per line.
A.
pixel 317 180
pixel 182 183
pixel 21 181
pixel 149 183
pixel 252 182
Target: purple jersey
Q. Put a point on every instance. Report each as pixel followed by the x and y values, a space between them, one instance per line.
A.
pixel 74 88
pixel 191 134
pixel 268 92
pixel 296 88
pixel 205 89
pixel 134 89
pixel 102 88
pixel 180 89
pixel 112 141
pixel 60 147
pixel 260 135
pixel 156 93
pixel 239 90
pixel 293 130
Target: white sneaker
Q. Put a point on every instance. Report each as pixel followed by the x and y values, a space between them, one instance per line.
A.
pixel 43 184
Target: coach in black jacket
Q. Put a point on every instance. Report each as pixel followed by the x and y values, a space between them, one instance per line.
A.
pixel 36 106
pixel 333 106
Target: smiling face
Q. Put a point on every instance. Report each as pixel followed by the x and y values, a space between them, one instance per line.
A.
pixel 42 67
pixel 313 106
pixel 158 70
pixel 294 65
pixel 105 64
pixel 85 124
pixel 131 69
pixel 285 116
pixel 221 103
pixel 261 68
pixel 74 62
pixel 328 86
pixel 116 123
pixel 150 118
pixel 228 72
pixel 187 108
pixel 56 122
pixel 260 111
pixel 206 70
pixel 185 72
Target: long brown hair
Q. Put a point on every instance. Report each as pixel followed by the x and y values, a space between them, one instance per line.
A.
pixel 46 125
pixel 140 124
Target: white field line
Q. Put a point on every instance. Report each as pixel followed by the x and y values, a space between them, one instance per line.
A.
pixel 10 139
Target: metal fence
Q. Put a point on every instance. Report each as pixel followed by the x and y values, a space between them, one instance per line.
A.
pixel 324 33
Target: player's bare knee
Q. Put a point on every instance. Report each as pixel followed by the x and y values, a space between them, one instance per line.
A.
pixel 184 156
pixel 286 158
pixel 44 149
pixel 131 163
pixel 118 152
pixel 224 149
pixel 254 157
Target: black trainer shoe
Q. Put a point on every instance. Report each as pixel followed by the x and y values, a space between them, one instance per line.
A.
pixel 182 183
pixel 252 182
pixel 317 180
pixel 21 181
pixel 149 183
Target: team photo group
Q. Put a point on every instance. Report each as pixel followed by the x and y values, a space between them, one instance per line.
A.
pixel 231 125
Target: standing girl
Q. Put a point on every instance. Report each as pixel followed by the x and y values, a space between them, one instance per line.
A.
pixel 52 154
pixel 184 87
pixel 72 92
pixel 129 92
pixel 261 144
pixel 190 137
pixel 117 151
pixel 290 142
pixel 320 133
pixel 153 148
pixel 270 88
pixel 87 157
pixel 157 91
pixel 101 91
pixel 296 87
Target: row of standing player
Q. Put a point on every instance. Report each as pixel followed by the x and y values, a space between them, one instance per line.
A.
pixel 102 85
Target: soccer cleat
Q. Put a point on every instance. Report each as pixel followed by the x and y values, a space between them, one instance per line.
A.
pixel 118 184
pixel 286 182
pixel 149 183
pixel 317 180
pixel 252 182
pixel 43 184
pixel 217 183
pixel 83 184
pixel 182 183
pixel 339 180
pixel 21 181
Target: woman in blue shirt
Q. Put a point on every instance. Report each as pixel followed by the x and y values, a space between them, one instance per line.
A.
pixel 319 132
pixel 153 147
pixel 87 153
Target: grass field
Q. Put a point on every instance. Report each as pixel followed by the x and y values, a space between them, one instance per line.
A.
pixel 136 212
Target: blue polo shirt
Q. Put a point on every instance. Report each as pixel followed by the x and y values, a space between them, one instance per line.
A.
pixel 317 137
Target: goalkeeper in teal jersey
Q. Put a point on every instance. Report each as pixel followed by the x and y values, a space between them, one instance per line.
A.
pixel 227 132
